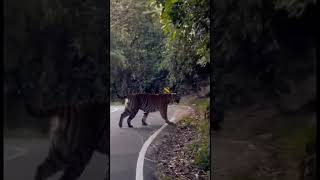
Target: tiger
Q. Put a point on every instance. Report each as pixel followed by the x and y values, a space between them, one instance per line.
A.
pixel 77 131
pixel 147 103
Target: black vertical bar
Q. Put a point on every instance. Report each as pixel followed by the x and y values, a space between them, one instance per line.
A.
pixel 108 77
pixel 212 82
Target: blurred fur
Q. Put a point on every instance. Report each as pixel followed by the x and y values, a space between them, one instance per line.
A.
pixel 76 131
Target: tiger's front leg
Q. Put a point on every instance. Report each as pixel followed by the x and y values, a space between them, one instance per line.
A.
pixel 48 167
pixel 144 118
pixel 163 113
pixel 132 115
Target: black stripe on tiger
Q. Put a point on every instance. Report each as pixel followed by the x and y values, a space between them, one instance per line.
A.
pixel 147 103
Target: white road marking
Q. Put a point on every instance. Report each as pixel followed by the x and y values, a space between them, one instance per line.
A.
pixel 142 153
pixel 115 109
pixel 21 152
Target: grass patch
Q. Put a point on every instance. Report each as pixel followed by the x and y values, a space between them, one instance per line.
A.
pixel 200 148
pixel 202 105
pixel 202 151
pixel 204 128
pixel 201 154
pixel 188 121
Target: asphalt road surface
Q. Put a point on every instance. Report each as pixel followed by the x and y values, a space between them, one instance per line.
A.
pixel 21 156
pixel 125 143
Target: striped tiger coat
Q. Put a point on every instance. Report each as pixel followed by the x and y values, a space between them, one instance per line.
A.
pixel 76 132
pixel 147 103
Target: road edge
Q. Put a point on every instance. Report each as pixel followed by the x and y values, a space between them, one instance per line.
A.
pixel 142 153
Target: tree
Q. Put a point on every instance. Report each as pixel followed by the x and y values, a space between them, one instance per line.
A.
pixel 138 39
pixel 186 26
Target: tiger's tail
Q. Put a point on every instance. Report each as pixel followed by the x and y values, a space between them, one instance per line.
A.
pixel 40 113
pixel 122 98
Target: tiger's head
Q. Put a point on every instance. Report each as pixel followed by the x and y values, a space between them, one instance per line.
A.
pixel 175 98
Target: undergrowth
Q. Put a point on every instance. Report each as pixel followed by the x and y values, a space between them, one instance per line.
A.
pixel 200 148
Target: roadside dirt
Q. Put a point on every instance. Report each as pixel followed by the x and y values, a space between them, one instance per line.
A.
pixel 171 152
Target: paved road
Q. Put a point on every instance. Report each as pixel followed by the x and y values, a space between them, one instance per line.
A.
pixel 22 155
pixel 125 143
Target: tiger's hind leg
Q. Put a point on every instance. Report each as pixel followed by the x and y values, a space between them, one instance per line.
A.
pixel 163 113
pixel 123 115
pixel 144 118
pixel 48 167
pixel 132 115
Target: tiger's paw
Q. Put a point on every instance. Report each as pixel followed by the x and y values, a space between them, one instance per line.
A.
pixel 171 123
pixel 130 126
pixel 120 125
pixel 144 124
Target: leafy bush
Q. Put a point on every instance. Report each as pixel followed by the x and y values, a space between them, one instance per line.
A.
pixel 201 147
pixel 202 153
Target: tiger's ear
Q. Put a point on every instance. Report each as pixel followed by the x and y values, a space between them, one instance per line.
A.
pixel 174 88
pixel 167 90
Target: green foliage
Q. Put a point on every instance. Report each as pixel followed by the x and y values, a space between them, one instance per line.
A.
pixel 117 59
pixel 202 156
pixel 202 104
pixel 166 43
pixel 204 129
pixel 187 121
pixel 186 26
pixel 138 37
pixel 201 149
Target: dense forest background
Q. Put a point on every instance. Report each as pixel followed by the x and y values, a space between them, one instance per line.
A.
pixel 155 44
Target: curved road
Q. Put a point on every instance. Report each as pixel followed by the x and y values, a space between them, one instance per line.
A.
pixel 125 143
pixel 22 155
